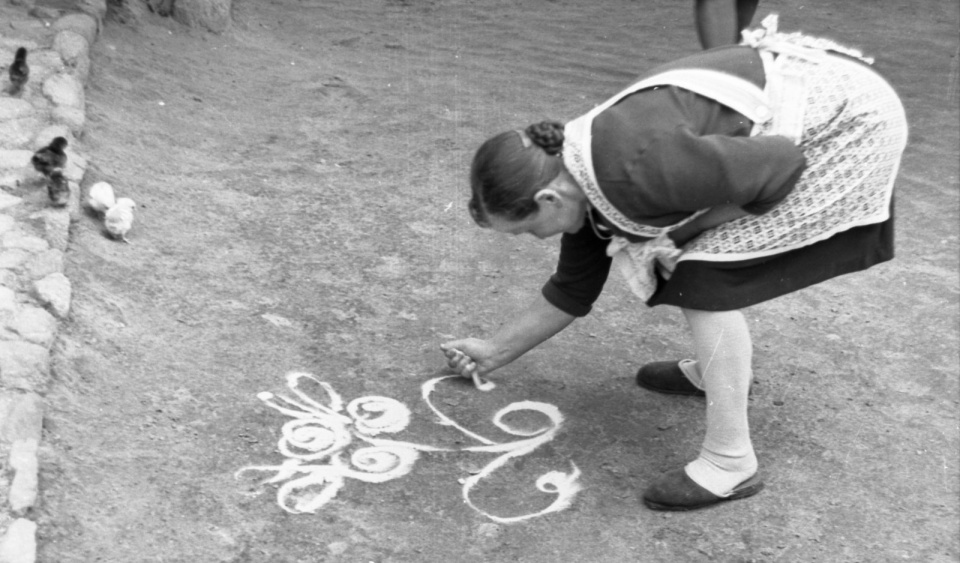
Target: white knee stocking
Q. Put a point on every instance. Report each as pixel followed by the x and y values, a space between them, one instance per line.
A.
pixel 724 354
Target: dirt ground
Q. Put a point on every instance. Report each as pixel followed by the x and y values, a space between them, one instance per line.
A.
pixel 302 186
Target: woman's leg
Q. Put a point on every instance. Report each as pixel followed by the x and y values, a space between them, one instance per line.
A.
pixel 745 11
pixel 724 354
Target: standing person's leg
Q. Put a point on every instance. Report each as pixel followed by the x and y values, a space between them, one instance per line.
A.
pixel 726 461
pixel 745 11
pixel 719 22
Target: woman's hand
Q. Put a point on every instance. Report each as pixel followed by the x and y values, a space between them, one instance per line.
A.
pixel 475 358
pixel 470 356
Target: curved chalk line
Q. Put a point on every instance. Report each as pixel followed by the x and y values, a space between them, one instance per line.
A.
pixel 321 432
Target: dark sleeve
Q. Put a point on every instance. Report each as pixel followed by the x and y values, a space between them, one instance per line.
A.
pixel 693 172
pixel 581 272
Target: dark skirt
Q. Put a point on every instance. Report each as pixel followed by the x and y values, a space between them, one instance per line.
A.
pixel 727 286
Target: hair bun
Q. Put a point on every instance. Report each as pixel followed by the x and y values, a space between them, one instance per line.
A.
pixel 547 135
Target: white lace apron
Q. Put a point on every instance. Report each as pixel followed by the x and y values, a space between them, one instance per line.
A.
pixel 846 118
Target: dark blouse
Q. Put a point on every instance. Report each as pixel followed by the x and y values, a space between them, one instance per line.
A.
pixel 663 153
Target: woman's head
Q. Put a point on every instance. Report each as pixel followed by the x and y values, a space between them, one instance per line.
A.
pixel 510 168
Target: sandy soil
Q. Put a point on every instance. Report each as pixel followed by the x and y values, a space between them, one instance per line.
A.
pixel 301 182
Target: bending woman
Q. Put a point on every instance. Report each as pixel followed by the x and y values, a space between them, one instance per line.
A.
pixel 716 182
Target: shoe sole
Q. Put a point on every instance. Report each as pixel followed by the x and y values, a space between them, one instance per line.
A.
pixel 671 391
pixel 746 489
pixel 680 393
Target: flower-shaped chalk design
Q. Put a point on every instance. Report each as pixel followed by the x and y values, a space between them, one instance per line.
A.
pixel 322 432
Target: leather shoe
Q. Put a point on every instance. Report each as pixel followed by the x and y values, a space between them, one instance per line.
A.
pixel 676 491
pixel 666 377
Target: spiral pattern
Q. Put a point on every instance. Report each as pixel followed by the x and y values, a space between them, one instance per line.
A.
pixel 382 463
pixel 373 415
pixel 313 438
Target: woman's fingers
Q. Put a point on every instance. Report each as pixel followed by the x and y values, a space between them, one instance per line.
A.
pixel 466 366
pixel 460 362
pixel 451 357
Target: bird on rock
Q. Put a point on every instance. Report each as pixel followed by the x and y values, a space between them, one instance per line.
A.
pixel 19 72
pixel 50 157
pixel 58 189
pixel 119 218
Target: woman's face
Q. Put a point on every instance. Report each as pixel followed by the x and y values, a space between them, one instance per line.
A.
pixel 562 209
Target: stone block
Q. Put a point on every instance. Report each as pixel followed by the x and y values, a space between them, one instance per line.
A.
pixel 21 416
pixel 19 132
pixel 74 118
pixel 7 201
pixel 8 302
pixel 11 181
pixel 46 63
pixel 45 12
pixel 12 159
pixel 12 258
pixel 9 43
pixel 24 366
pixel 23 461
pixel 10 279
pixel 75 52
pixel 213 15
pixel 84 24
pixel 42 264
pixel 18 239
pixel 13 108
pixel 19 544
pixel 34 325
pixel 54 292
pixel 25 26
pixel 64 90
pixel 6 223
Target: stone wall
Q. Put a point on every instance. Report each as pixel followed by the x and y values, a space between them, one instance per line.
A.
pixel 34 292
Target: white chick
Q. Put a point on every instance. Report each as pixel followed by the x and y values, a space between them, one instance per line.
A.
pixel 100 197
pixel 119 218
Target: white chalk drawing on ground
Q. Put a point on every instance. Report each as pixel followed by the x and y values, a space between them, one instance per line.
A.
pixel 315 440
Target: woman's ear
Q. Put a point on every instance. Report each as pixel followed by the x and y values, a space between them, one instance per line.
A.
pixel 546 195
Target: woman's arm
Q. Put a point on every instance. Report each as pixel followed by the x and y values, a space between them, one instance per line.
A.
pixel 517 336
pixel 691 172
pixel 715 216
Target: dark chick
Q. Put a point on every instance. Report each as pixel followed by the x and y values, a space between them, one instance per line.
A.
pixel 19 71
pixel 58 189
pixel 50 157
